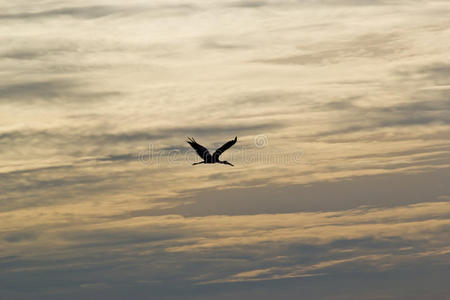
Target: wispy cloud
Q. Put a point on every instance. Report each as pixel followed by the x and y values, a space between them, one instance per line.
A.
pixel 368 45
pixel 59 90
pixel 92 12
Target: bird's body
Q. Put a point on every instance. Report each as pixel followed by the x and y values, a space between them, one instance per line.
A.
pixel 207 157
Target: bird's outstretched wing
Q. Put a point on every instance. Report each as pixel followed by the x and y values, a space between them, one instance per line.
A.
pixel 224 147
pixel 201 151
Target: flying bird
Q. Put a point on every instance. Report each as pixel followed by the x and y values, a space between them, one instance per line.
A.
pixel 206 156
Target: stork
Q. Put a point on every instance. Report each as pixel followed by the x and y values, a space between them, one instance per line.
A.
pixel 206 156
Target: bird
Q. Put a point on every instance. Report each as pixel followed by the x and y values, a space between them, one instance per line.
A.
pixel 206 156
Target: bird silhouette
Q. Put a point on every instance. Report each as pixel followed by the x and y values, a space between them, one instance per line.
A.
pixel 206 156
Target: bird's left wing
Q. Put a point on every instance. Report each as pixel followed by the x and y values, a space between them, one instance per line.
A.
pixel 224 147
pixel 201 151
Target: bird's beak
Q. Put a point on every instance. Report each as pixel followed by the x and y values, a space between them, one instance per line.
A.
pixel 229 164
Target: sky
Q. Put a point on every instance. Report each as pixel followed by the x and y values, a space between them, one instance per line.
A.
pixel 339 188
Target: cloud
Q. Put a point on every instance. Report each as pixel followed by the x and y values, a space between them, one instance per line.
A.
pixel 248 4
pixel 211 250
pixel 361 3
pixel 290 4
pixel 418 108
pixel 22 54
pixel 350 193
pixel 101 136
pixel 93 12
pixel 409 114
pixel 56 90
pixel 118 157
pixel 106 237
pixel 87 12
pixel 444 198
pixel 86 163
pixel 437 73
pixel 331 226
pixel 217 44
pixel 365 46
pixel 20 236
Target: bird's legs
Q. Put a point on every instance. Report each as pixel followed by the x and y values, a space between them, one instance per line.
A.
pixel 197 163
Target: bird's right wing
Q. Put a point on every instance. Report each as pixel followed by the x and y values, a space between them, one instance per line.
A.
pixel 224 147
pixel 201 151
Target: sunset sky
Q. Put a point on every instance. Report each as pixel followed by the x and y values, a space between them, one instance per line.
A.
pixel 340 185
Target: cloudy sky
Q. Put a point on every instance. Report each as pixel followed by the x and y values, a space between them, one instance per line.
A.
pixel 340 186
